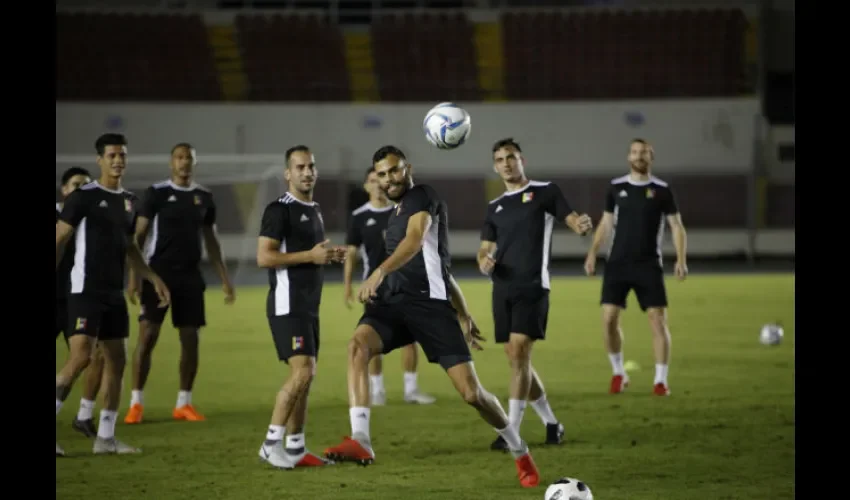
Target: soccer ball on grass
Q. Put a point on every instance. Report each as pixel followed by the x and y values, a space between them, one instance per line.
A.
pixel 447 125
pixel 568 488
pixel 771 334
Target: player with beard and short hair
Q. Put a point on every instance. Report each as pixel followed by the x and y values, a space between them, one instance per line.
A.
pixel 73 179
pixel 516 247
pixel 180 216
pixel 365 237
pixel 101 217
pixel 636 208
pixel 292 246
pixel 412 297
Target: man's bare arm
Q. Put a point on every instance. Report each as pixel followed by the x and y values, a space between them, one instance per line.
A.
pixel 270 256
pixel 213 246
pixel 487 248
pixel 457 298
pixel 602 232
pixel 680 236
pixel 140 237
pixel 64 231
pixel 410 245
pixel 137 262
pixel 348 269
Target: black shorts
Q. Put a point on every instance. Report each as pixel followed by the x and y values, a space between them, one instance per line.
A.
pixel 520 310
pixel 105 318
pixel 295 335
pixel 187 300
pixel 647 280
pixel 433 324
pixel 61 317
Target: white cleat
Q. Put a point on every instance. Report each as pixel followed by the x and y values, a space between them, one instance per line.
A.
pixel 274 453
pixel 59 451
pixel 378 398
pixel 112 446
pixel 419 398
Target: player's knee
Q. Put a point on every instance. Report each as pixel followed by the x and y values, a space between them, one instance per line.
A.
pixel 518 348
pixel 189 337
pixel 610 317
pixel 301 375
pixel 358 349
pixel 657 317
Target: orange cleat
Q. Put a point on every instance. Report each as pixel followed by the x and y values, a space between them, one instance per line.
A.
pixel 661 389
pixel 529 476
pixel 351 450
pixel 619 384
pixel 187 413
pixel 311 460
pixel 134 414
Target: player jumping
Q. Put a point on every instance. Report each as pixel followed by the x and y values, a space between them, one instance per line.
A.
pixel 292 246
pixel 516 246
pixel 101 216
pixel 412 297
pixel 178 213
pixel 636 207
pixel 365 236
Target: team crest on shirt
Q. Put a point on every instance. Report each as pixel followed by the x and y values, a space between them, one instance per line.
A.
pixel 527 197
pixel 650 193
pixel 128 205
pixel 81 324
pixel 297 343
pixel 197 200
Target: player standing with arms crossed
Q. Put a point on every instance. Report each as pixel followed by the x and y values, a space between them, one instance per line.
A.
pixel 292 246
pixel 412 297
pixel 365 236
pixel 516 247
pixel 636 208
pixel 179 214
pixel 72 179
pixel 101 216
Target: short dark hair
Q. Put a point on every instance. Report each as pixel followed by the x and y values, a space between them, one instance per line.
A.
pixel 182 145
pixel 109 140
pixel 507 142
pixel 639 140
pixel 73 172
pixel 385 151
pixel 295 149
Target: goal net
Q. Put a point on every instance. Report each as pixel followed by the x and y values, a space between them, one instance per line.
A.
pixel 242 186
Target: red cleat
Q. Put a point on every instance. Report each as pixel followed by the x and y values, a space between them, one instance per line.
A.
pixel 351 450
pixel 619 384
pixel 311 460
pixel 661 389
pixel 529 476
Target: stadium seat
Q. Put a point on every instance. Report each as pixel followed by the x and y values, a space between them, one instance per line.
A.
pixel 293 58
pixel 109 56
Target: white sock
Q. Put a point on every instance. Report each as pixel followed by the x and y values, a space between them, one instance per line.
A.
pixel 511 437
pixel 661 374
pixel 86 409
pixel 617 363
pixel 359 416
pixel 275 433
pixel 376 384
pixel 137 397
pixel 544 411
pixel 295 441
pixel 410 383
pixel 184 398
pixel 106 429
pixel 516 410
pixel 58 406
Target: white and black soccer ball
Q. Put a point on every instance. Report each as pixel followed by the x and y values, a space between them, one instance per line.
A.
pixel 447 125
pixel 568 488
pixel 771 334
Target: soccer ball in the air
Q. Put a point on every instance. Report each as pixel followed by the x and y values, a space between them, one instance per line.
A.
pixel 568 488
pixel 447 125
pixel 771 334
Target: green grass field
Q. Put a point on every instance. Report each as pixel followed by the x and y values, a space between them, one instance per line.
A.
pixel 727 431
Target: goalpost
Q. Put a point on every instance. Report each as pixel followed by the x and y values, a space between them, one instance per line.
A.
pixel 242 186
